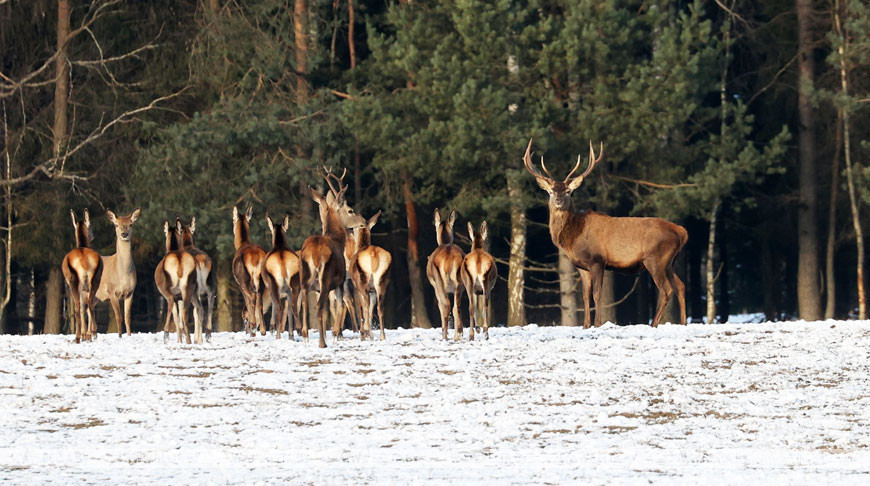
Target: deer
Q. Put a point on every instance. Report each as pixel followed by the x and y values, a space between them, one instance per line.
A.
pixel 280 269
pixel 204 280
pixel 175 278
pixel 118 280
pixel 442 269
pixel 595 242
pixel 82 269
pixel 247 263
pixel 478 274
pixel 323 267
pixel 370 272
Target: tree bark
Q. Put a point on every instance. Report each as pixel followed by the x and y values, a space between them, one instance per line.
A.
pixel 568 284
pixel 53 298
pixel 853 203
pixel 224 299
pixel 516 277
pixel 7 250
pixel 809 301
pixel 419 317
pixel 711 271
pixel 31 303
pixel 831 246
pixel 608 298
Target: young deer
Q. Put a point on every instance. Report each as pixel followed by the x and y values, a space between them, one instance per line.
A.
pixel 82 269
pixel 595 242
pixel 246 269
pixel 323 266
pixel 119 275
pixel 175 278
pixel 443 272
pixel 204 280
pixel 478 275
pixel 370 272
pixel 279 271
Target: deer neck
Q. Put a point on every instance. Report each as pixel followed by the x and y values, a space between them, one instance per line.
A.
pixel 565 225
pixel 333 228
pixel 82 240
pixel 123 254
pixel 364 240
pixel 279 241
pixel 444 236
pixel 186 240
pixel 477 243
pixel 240 234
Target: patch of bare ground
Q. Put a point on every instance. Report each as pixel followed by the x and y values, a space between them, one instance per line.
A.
pixel 178 392
pixel 207 405
pixel 201 374
pixel 618 429
pixel 304 424
pixel 270 391
pixel 725 364
pixel 364 372
pixel 317 362
pixel 449 372
pixel 92 422
pixel 61 410
pixel 651 417
pixel 259 371
pixel 87 376
pixel 109 368
pixel 51 377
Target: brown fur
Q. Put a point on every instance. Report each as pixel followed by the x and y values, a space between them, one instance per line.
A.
pixel 479 275
pixel 82 269
pixel 119 274
pixel 204 280
pixel 280 269
pixel 595 242
pixel 247 263
pixel 323 266
pixel 370 272
pixel 175 278
pixel 443 271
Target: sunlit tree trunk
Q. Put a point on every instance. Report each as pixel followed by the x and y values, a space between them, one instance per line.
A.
pixel 568 284
pixel 419 317
pixel 711 270
pixel 516 277
pixel 607 305
pixel 831 246
pixel 224 299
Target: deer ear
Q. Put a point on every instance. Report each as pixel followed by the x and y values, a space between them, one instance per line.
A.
pixel 544 184
pixel 471 231
pixel 269 222
pixel 483 231
pixel 135 215
pixel 165 227
pixel 316 196
pixel 451 220
pixel 373 220
pixel 192 224
pixel 286 224
pixel 249 213
pixel 574 183
pixel 87 219
pixel 73 214
pixel 179 226
pixel 437 218
pixel 235 214
pixel 111 217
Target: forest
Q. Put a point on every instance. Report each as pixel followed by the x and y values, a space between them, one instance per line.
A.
pixel 744 121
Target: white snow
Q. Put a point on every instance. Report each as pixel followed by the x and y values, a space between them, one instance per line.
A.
pixel 773 403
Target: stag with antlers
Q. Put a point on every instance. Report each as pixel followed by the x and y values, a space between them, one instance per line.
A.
pixel 204 280
pixel 119 274
pixel 82 269
pixel 280 269
pixel 595 242
pixel 175 278
pixel 478 276
pixel 442 269
pixel 370 272
pixel 247 263
pixel 323 265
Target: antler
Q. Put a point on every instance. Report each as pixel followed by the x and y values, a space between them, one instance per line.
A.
pixel 327 175
pixel 592 160
pixel 527 160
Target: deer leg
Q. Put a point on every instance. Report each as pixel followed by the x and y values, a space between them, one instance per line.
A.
pixel 209 296
pixel 322 315
pixel 74 299
pixel 92 320
pixel 128 306
pixel 457 319
pixel 304 299
pixel 443 309
pixel 170 310
pixel 339 312
pixel 486 316
pixel 369 313
pixel 380 301
pixel 664 288
pixel 680 288
pixel 258 312
pixel 586 291
pixel 472 313
pixel 185 306
pixel 597 276
pixel 198 318
pixel 116 309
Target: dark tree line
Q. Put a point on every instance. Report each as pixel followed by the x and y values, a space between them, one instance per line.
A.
pixel 745 121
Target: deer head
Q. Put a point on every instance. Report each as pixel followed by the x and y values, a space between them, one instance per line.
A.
pixel 363 234
pixel 278 231
pixel 444 229
pixel 123 224
pixel 82 228
pixel 478 241
pixel 560 191
pixel 171 234
pixel 336 201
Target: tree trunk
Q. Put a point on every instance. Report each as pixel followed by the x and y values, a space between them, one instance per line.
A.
pixel 711 277
pixel 768 277
pixel 724 297
pixel 642 299
pixel 7 250
pixel 419 317
pixel 809 301
pixel 224 299
pixel 300 21
pixel 516 278
pixel 831 246
pixel 607 306
pixel 853 203
pixel 61 85
pixel 31 303
pixel 53 301
pixel 568 283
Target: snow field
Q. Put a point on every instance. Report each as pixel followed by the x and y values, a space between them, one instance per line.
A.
pixel 753 403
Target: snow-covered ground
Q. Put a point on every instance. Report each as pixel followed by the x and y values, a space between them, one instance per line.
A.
pixel 727 404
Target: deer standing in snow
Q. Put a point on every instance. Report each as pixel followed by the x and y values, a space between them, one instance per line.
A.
pixel 247 263
pixel 478 275
pixel 175 278
pixel 280 273
pixel 442 269
pixel 370 272
pixel 204 280
pixel 119 274
pixel 595 242
pixel 82 269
